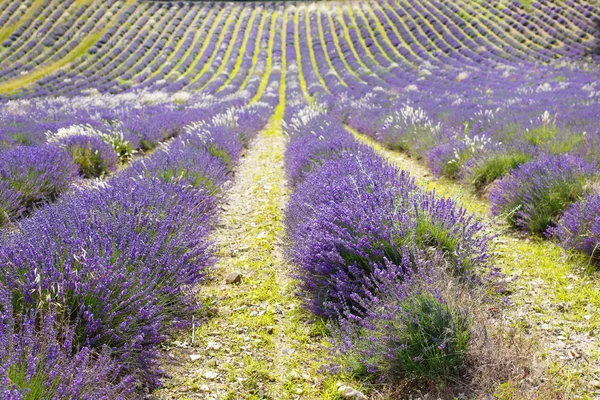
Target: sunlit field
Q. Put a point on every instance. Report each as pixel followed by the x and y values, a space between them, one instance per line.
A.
pixel 383 199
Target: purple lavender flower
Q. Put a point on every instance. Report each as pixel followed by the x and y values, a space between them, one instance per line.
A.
pixel 94 157
pixel 39 356
pixel 535 194
pixel 579 227
pixel 36 174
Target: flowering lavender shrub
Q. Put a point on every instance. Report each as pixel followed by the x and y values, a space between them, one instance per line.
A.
pixel 36 174
pixel 39 359
pixel 402 327
pixel 535 194
pixel 122 147
pixel 222 137
pixel 306 154
pixel 126 260
pixel 449 157
pixel 342 221
pixel 446 159
pixel 579 227
pixel 444 227
pixel 409 129
pixel 10 206
pixel 315 139
pixel 154 125
pixel 186 163
pixel 355 213
pixel 93 155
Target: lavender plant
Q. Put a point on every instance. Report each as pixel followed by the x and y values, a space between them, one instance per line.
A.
pixel 125 262
pixel 534 195
pixel 40 359
pixel 355 212
pixel 35 175
pixel 579 227
pixel 185 163
pixel 10 205
pixel 403 328
pixel 94 157
pixel 343 220
pixel 485 169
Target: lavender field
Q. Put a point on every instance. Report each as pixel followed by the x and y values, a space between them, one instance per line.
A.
pixel 384 199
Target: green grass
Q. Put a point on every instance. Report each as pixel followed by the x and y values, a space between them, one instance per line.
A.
pixel 495 167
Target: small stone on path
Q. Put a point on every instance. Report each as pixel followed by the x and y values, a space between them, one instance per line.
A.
pixel 195 357
pixel 213 346
pixel 347 392
pixel 234 277
pixel 210 374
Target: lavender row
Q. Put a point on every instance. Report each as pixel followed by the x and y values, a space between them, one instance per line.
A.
pixel 88 144
pixel 370 248
pixel 497 141
pixel 368 45
pixel 107 272
pixel 54 36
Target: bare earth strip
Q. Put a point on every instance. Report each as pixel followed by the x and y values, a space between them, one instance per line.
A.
pixel 256 342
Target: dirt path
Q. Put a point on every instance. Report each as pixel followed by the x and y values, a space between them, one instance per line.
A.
pixel 256 343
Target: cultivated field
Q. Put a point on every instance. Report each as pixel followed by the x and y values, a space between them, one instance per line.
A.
pixel 384 199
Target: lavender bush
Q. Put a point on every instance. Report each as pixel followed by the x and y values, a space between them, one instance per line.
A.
pixel 535 194
pixel 35 175
pixel 125 260
pixel 40 359
pixel 156 124
pixel 483 170
pixel 343 220
pixel 94 157
pixel 353 212
pixel 10 205
pixel 314 140
pixel 187 162
pixel 403 328
pixel 579 227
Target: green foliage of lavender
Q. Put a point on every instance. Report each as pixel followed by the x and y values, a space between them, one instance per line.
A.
pixel 94 157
